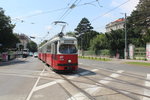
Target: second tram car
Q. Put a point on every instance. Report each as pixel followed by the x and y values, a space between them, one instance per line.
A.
pixel 60 53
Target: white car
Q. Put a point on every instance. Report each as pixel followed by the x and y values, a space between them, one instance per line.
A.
pixel 35 54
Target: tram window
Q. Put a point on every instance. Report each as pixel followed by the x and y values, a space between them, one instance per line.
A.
pixel 49 48
pixel 67 49
pixel 54 48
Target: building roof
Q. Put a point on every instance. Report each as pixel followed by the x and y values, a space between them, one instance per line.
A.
pixel 119 20
pixel 115 22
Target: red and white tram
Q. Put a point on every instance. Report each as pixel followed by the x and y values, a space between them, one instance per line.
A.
pixel 60 53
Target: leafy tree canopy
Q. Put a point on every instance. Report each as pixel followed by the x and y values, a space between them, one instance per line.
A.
pixel 116 40
pixel 83 26
pixel 99 43
pixel 71 34
pixel 7 38
pixel 85 34
pixel 32 46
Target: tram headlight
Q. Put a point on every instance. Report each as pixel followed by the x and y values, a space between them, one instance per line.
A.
pixel 69 61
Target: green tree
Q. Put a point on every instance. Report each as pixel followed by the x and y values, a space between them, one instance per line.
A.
pixel 87 37
pixel 116 40
pixel 99 43
pixel 83 26
pixel 7 38
pixel 71 34
pixel 85 33
pixel 32 46
pixel 138 24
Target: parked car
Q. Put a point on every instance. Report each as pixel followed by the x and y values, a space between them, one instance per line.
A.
pixel 35 54
pixel 25 53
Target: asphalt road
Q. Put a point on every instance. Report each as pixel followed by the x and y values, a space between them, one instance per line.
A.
pixel 31 79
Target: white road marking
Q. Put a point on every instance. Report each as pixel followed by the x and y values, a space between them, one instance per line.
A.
pixel 31 92
pixel 147 92
pixel 120 71
pixel 94 70
pixel 44 86
pixel 60 81
pixel 17 75
pixel 79 96
pixel 92 90
pixel 83 73
pixel 105 80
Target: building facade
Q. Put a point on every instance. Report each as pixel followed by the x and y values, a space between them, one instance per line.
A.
pixel 118 24
pixel 24 40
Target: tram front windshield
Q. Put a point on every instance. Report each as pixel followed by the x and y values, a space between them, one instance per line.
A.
pixel 67 49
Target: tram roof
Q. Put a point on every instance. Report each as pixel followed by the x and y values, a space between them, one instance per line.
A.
pixel 58 38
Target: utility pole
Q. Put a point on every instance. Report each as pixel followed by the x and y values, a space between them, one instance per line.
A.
pixel 125 29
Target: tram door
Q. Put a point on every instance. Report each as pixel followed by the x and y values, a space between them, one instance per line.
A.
pixel 54 54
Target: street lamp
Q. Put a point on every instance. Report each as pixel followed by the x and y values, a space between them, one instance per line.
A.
pixel 126 53
pixel 125 30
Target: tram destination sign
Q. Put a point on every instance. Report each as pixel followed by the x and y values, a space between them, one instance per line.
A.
pixel 68 41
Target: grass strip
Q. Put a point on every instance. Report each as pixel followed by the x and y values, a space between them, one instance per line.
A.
pixel 139 63
pixel 94 58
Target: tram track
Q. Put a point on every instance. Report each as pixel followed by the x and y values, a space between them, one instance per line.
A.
pixel 125 82
pixel 121 91
pixel 127 93
pixel 74 85
pixel 81 90
pixel 124 73
pixel 69 94
pixel 121 81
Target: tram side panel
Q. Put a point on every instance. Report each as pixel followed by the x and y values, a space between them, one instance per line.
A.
pixel 49 59
pixel 39 55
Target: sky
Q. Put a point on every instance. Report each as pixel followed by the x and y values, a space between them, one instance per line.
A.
pixel 35 17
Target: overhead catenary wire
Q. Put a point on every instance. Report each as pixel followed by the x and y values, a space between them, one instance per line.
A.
pixel 52 11
pixel 73 5
pixel 45 12
pixel 98 3
pixel 110 11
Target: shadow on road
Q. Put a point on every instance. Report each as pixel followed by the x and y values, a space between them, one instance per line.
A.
pixel 13 62
pixel 80 72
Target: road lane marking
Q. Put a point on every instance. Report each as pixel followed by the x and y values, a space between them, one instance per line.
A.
pixel 147 92
pixel 44 85
pixel 17 75
pixel 105 80
pixel 60 81
pixel 31 92
pixel 92 90
pixel 83 73
pixel 79 96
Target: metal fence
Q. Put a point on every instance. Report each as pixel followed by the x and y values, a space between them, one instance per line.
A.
pixel 104 53
pixel 140 53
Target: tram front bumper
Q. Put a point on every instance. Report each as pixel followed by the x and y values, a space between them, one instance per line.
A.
pixel 69 66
